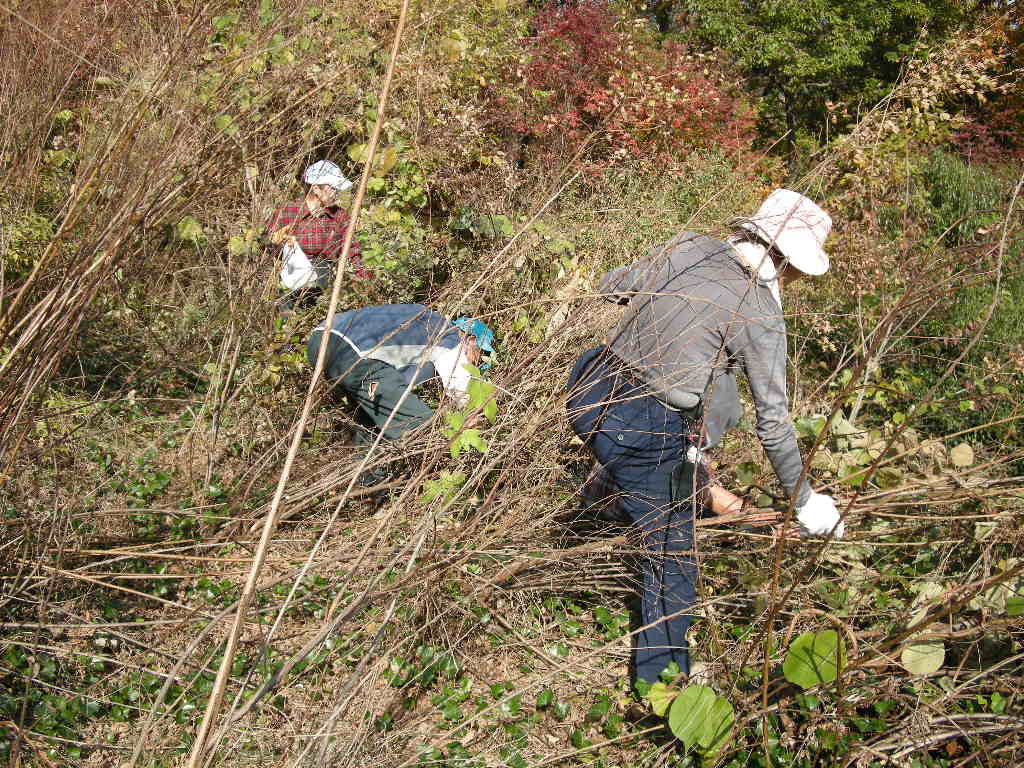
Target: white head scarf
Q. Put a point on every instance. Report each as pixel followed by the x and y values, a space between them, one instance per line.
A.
pixel 754 256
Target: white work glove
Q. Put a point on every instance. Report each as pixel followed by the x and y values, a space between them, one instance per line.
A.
pixel 818 516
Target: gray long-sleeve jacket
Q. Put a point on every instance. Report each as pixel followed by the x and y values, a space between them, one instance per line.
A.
pixel 695 315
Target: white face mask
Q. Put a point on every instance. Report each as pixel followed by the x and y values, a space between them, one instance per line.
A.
pixel 755 257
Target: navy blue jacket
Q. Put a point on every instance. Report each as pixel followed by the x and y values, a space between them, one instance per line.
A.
pixel 402 335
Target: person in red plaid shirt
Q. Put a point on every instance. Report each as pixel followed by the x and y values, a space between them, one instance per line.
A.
pixel 317 224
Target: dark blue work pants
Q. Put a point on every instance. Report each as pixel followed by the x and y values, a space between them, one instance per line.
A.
pixel 642 443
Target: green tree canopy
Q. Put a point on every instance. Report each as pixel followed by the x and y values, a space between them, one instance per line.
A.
pixel 808 54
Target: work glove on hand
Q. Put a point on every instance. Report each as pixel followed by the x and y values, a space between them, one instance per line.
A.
pixel 818 516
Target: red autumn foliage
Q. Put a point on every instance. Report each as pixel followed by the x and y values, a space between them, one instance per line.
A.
pixel 594 77
pixel 995 134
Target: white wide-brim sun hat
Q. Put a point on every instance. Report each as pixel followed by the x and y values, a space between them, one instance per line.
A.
pixel 326 172
pixel 796 226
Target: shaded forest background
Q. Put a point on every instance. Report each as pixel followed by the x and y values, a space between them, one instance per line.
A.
pixel 149 389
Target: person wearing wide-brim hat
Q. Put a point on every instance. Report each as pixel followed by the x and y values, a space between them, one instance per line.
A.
pixel 663 390
pixel 312 231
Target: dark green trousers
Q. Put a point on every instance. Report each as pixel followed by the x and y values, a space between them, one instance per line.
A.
pixel 304 298
pixel 377 389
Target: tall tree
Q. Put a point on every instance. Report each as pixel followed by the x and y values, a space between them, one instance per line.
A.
pixel 805 55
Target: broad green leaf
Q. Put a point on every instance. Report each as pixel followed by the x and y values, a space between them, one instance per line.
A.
pixel 1015 606
pixel 747 472
pixel 189 230
pixel 225 123
pixel 661 696
pixel 479 392
pixel 511 707
pixel 841 427
pixel 471 439
pixel 962 455
pixel 357 153
pixel 237 245
pixel 923 658
pixel 927 590
pixel 545 698
pixel 812 659
pixel 854 480
pixel 888 477
pixel 998 703
pixel 690 712
pixel 579 739
pixel 810 426
pixel 491 411
pixel 718 726
pixel 387 160
pixel 454 48
pixel 699 718
pixel 599 710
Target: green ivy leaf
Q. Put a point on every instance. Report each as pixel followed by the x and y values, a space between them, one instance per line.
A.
pixel 545 698
pixel 998 704
pixel 747 472
pixel 225 123
pixel 189 230
pixel 814 658
pixel 670 672
pixel 470 438
pixel 888 477
pixel 923 658
pixel 599 710
pixel 701 719
pixel 491 411
pixel 810 426
pixel 356 153
pixel 579 739
pixel 387 160
pixel 479 391
pixel 1015 606
pixel 511 707
pixel 455 420
pixel 454 48
pixel 660 696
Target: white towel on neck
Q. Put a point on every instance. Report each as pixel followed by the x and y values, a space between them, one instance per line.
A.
pixel 755 257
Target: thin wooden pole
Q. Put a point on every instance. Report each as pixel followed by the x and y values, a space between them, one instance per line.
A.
pixel 217 697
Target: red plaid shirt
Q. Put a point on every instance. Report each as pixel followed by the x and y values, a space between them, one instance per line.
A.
pixel 321 235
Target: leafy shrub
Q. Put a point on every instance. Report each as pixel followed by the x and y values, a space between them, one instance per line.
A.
pixel 963 198
pixel 596 79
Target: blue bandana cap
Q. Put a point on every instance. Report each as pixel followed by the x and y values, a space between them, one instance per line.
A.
pixel 484 335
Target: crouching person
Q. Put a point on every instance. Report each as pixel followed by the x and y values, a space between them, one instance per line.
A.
pixel 378 355
pixel 663 391
pixel 312 232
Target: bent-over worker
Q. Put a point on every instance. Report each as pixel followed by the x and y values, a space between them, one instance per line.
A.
pixel 663 390
pixel 379 354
